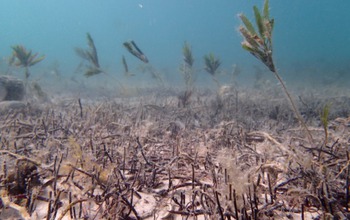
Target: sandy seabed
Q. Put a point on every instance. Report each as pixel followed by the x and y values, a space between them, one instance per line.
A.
pixel 170 155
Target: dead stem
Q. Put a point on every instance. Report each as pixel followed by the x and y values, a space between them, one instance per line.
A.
pixel 69 207
pixel 81 108
pixel 141 149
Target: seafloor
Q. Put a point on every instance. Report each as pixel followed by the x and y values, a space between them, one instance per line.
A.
pixel 164 154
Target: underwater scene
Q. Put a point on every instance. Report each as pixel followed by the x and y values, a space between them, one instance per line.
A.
pixel 174 109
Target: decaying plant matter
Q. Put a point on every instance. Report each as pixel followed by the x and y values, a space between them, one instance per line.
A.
pixel 149 159
pixel 259 44
pixel 24 58
pixel 90 55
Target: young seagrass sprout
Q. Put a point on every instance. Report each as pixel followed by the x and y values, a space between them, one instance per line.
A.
pixel 22 57
pixel 186 67
pixel 90 55
pixel 259 44
pixel 187 55
pixel 325 121
pixel 212 65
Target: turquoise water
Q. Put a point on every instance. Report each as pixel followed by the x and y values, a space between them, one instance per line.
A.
pixel 311 38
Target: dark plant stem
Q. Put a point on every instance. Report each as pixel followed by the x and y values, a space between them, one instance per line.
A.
pixel 251 201
pixel 235 204
pixel 26 74
pixel 70 208
pixel 141 149
pixel 48 215
pixel 347 184
pixel 5 176
pixel 295 109
pixel 219 206
pixel 270 188
pixel 302 212
pixel 192 177
pixel 216 81
pixel 170 182
pixel 81 108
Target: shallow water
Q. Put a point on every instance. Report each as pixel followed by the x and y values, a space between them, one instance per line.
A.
pixel 141 145
pixel 309 38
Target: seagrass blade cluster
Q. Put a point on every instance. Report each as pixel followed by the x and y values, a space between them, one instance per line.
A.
pixel 186 67
pixel 258 41
pixel 211 64
pixel 90 55
pixel 23 57
pixel 259 44
pixel 136 51
pixel 187 55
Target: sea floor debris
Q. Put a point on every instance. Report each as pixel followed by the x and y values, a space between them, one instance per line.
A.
pixel 238 156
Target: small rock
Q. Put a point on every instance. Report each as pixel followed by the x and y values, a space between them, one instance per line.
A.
pixel 11 88
pixel 14 105
pixel 146 205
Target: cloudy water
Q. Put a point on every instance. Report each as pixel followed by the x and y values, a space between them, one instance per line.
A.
pixel 311 38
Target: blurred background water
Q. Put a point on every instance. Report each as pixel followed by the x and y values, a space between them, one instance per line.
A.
pixel 311 38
